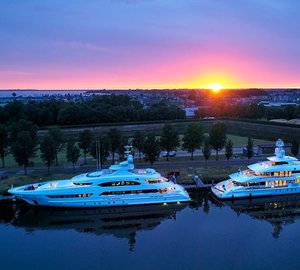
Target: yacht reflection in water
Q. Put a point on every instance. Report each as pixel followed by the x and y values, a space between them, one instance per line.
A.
pixel 121 222
pixel 278 211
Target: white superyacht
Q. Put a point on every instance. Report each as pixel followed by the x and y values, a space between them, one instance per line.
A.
pixel 279 175
pixel 120 185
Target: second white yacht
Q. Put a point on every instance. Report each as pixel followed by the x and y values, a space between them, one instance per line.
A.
pixel 279 175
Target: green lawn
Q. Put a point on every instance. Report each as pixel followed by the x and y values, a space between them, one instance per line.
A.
pixel 239 141
pixel 38 162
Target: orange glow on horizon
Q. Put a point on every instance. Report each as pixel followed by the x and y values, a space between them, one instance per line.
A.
pixel 215 87
pixel 175 78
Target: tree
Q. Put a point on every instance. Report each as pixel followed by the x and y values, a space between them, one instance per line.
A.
pixel 15 110
pixel 169 139
pixel 249 148
pixel 23 149
pixel 23 125
pixel 192 139
pixel 115 137
pixel 138 142
pixel 73 153
pixel 218 137
pixel 295 147
pixel 151 148
pixel 99 149
pixel 48 150
pixel 228 150
pixel 3 143
pixel 85 141
pixel 58 138
pixel 206 150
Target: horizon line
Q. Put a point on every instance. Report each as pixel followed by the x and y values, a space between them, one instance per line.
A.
pixel 134 89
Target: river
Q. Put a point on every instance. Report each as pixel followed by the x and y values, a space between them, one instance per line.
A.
pixel 205 234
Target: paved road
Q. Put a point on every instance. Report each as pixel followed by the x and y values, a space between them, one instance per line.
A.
pixel 236 151
pixel 182 153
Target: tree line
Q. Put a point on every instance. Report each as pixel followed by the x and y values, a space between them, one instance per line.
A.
pixel 22 141
pixel 97 109
pixel 249 111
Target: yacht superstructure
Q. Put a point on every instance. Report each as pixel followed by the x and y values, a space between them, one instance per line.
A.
pixel 279 175
pixel 120 185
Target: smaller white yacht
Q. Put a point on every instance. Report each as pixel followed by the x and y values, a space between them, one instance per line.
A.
pixel 279 175
pixel 120 185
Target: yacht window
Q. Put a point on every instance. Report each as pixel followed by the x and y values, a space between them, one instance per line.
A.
pixel 251 184
pixel 267 184
pixel 70 196
pixel 119 183
pixel 238 184
pixel 281 163
pixel 129 192
pixel 82 184
pixel 277 183
pixel 249 172
pixel 155 181
pixel 272 184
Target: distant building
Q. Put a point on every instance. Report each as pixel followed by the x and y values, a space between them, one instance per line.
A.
pixel 277 104
pixel 190 111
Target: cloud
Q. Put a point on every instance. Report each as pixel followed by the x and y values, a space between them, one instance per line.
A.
pixel 82 45
pixel 15 73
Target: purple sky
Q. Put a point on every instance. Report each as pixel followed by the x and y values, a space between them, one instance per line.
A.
pixel 61 44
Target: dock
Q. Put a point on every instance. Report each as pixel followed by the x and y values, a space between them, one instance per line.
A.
pixel 199 185
pixel 195 187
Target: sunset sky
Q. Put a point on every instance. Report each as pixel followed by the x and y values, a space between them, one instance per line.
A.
pixel 83 44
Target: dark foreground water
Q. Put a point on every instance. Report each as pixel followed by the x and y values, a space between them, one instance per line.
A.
pixel 257 234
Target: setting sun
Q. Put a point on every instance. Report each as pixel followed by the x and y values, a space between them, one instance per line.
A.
pixel 216 87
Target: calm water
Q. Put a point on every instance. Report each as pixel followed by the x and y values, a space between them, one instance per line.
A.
pixel 257 234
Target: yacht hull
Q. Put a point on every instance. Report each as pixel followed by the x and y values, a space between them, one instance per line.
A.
pixel 102 203
pixel 175 196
